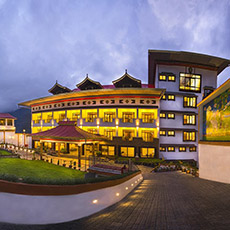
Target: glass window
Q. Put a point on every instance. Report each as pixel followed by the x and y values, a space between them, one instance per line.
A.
pixel 190 82
pixel 192 149
pixel 92 130
pixel 128 135
pixel 162 115
pixel 163 97
pixel 9 122
pixel 171 149
pixel 162 133
pixel 171 97
pixel 109 116
pixel 2 121
pixel 162 77
pixel 147 117
pixel 127 117
pixel 189 136
pixel 110 133
pixel 91 116
pixel 189 119
pixel 147 136
pixel 171 133
pixel 171 116
pixel 147 152
pixel 171 78
pixel 107 150
pixel 162 149
pixel 182 149
pixel 190 102
pixel 127 152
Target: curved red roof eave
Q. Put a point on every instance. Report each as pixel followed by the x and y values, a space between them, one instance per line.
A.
pixel 67 130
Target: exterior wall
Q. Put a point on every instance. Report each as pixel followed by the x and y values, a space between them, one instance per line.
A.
pixel 209 78
pixel 33 209
pixel 214 161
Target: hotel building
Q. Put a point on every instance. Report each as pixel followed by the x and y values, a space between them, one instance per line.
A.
pixel 188 78
pixel 126 112
pixel 158 119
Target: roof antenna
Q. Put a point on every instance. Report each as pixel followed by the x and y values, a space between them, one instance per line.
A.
pixel 56 82
pixel 86 75
pixel 125 70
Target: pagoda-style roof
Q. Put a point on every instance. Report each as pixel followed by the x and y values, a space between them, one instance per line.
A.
pixel 57 88
pixel 88 83
pixel 67 130
pixel 127 81
pixel 7 116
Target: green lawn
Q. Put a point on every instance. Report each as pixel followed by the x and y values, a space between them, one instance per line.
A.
pixel 4 153
pixel 38 172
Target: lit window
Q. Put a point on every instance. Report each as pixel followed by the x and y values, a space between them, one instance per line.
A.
pixel 171 97
pixel 110 133
pixel 128 117
pixel 147 136
pixel 182 149
pixel 147 152
pixel 171 78
pixel 2 121
pixel 128 135
pixel 171 116
pixel 162 149
pixel 147 117
pixel 190 102
pixel 162 77
pixel 192 149
pixel 127 152
pixel 189 119
pixel 171 149
pixel 190 82
pixel 162 133
pixel 189 136
pixel 93 131
pixel 163 97
pixel 162 115
pixel 91 116
pixel 171 133
pixel 109 116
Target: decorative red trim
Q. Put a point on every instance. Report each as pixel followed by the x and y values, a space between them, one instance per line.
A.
pixel 90 98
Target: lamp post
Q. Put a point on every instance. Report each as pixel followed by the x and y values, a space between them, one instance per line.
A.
pixel 24 132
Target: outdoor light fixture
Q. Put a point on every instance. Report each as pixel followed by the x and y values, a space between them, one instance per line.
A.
pixel 135 182
pixel 131 184
pixel 126 188
pixel 94 201
pixel 117 194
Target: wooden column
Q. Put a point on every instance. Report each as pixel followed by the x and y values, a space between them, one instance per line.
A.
pixel 79 156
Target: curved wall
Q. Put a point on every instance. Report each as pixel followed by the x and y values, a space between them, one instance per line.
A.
pixel 47 209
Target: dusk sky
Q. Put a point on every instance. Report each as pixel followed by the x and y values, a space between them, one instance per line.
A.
pixel 42 41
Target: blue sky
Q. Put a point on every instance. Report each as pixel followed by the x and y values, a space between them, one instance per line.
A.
pixel 42 41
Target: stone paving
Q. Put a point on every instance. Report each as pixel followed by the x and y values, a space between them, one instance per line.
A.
pixel 169 200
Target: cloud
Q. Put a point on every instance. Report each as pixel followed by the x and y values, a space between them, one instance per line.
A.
pixel 44 41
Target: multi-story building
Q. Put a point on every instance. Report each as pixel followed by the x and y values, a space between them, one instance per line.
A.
pixel 188 78
pixel 126 112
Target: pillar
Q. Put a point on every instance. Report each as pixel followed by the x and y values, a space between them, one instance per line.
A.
pixel 59 148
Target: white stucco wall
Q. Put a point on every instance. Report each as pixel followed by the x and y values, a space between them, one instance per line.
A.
pixel 25 209
pixel 214 162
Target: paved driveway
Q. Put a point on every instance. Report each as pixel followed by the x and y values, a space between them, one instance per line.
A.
pixel 170 200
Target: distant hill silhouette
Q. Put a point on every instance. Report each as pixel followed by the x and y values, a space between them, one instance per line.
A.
pixel 23 121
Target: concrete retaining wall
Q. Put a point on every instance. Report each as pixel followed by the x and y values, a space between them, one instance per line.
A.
pixel 47 209
pixel 214 162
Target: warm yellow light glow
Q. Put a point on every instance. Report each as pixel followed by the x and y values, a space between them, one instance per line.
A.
pixel 117 122
pixel 117 194
pixel 126 188
pixel 137 122
pixel 135 182
pixel 94 201
pixel 131 184
pixel 98 122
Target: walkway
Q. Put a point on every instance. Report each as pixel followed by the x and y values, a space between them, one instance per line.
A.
pixel 170 200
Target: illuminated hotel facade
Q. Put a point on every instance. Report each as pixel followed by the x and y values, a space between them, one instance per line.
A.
pixel 126 112
pixel 188 78
pixel 154 120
